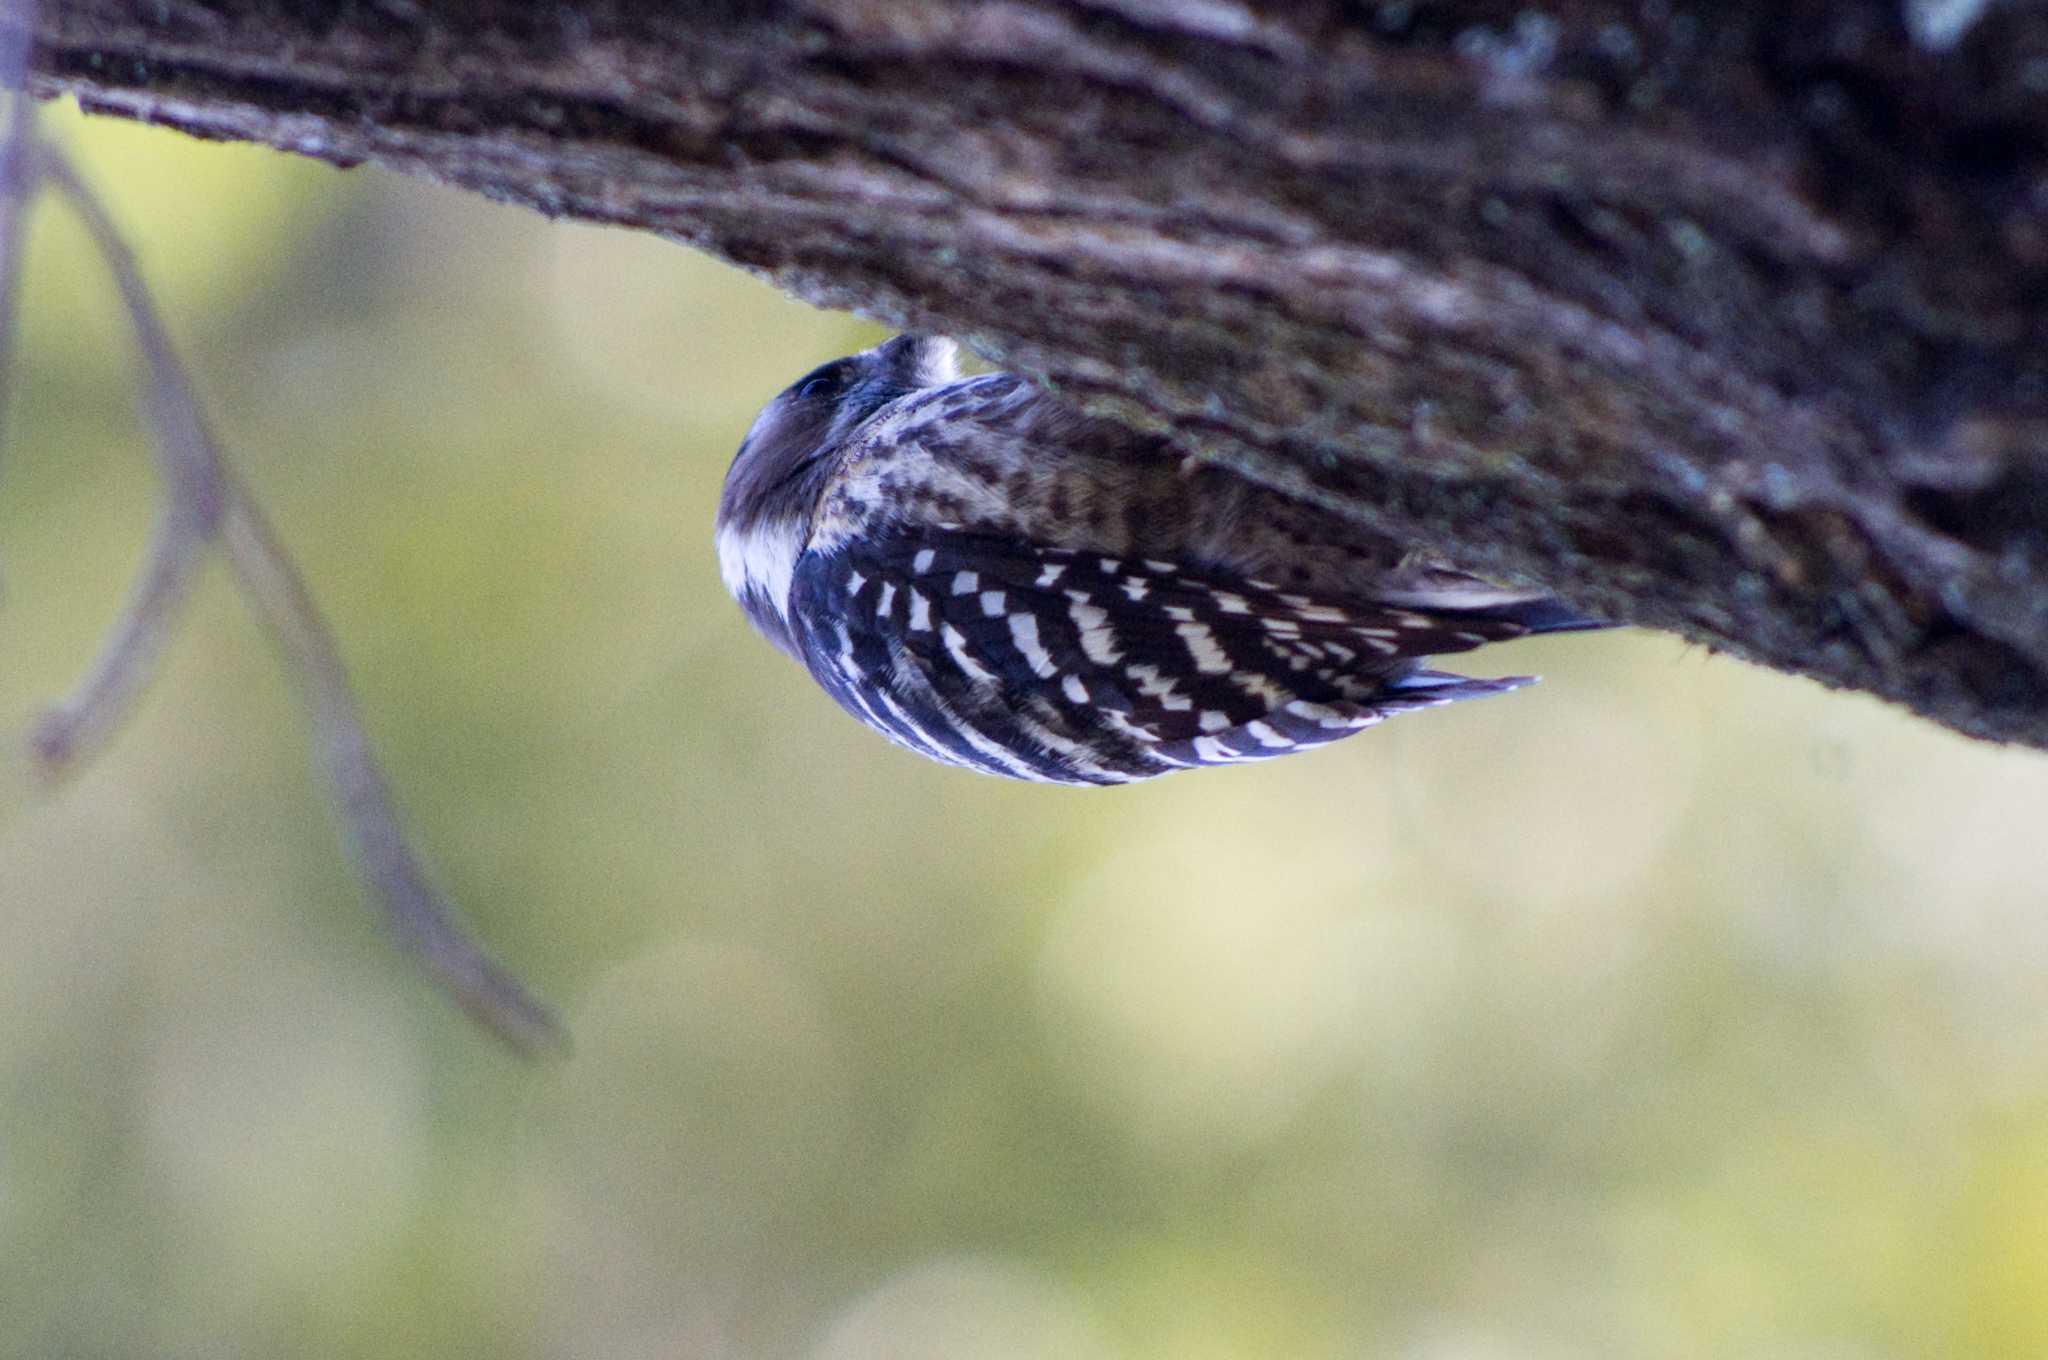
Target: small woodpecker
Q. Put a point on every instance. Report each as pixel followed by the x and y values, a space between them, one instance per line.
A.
pixel 996 580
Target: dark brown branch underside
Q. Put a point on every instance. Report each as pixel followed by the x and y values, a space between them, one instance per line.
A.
pixel 1725 318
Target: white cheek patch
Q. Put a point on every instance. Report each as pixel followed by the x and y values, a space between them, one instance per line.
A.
pixel 761 558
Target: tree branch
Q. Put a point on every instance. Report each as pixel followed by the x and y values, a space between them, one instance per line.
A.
pixel 1728 318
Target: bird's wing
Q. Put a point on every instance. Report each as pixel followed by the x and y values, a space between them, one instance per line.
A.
pixel 1182 662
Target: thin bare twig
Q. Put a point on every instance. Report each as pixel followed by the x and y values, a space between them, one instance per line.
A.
pixel 76 727
pixel 418 913
pixel 70 731
pixel 16 190
pixel 203 502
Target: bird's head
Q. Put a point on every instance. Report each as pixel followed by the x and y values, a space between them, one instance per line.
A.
pixel 788 456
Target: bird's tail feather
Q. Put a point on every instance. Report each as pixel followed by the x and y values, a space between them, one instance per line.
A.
pixel 1532 611
pixel 1541 614
pixel 1427 689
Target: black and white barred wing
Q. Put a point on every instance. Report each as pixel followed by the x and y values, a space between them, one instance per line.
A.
pixel 1066 667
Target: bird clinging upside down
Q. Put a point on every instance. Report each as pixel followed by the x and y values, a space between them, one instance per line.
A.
pixel 998 581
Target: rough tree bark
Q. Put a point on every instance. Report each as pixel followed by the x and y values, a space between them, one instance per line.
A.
pixel 1727 317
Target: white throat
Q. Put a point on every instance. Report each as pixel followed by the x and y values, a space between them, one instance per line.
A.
pixel 760 560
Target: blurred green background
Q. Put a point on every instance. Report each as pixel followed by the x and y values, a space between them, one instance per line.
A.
pixel 1671 1008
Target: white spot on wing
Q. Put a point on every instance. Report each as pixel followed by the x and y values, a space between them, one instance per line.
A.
pixel 1262 688
pixel 1152 683
pixel 1097 641
pixel 1074 689
pixel 1024 632
pixel 991 604
pixel 1113 719
pixel 1208 656
pixel 956 647
pixel 1322 715
pixel 1268 736
pixel 920 612
pixel 923 561
pixel 966 583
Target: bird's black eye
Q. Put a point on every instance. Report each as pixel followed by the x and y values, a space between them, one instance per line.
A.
pixel 819 385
